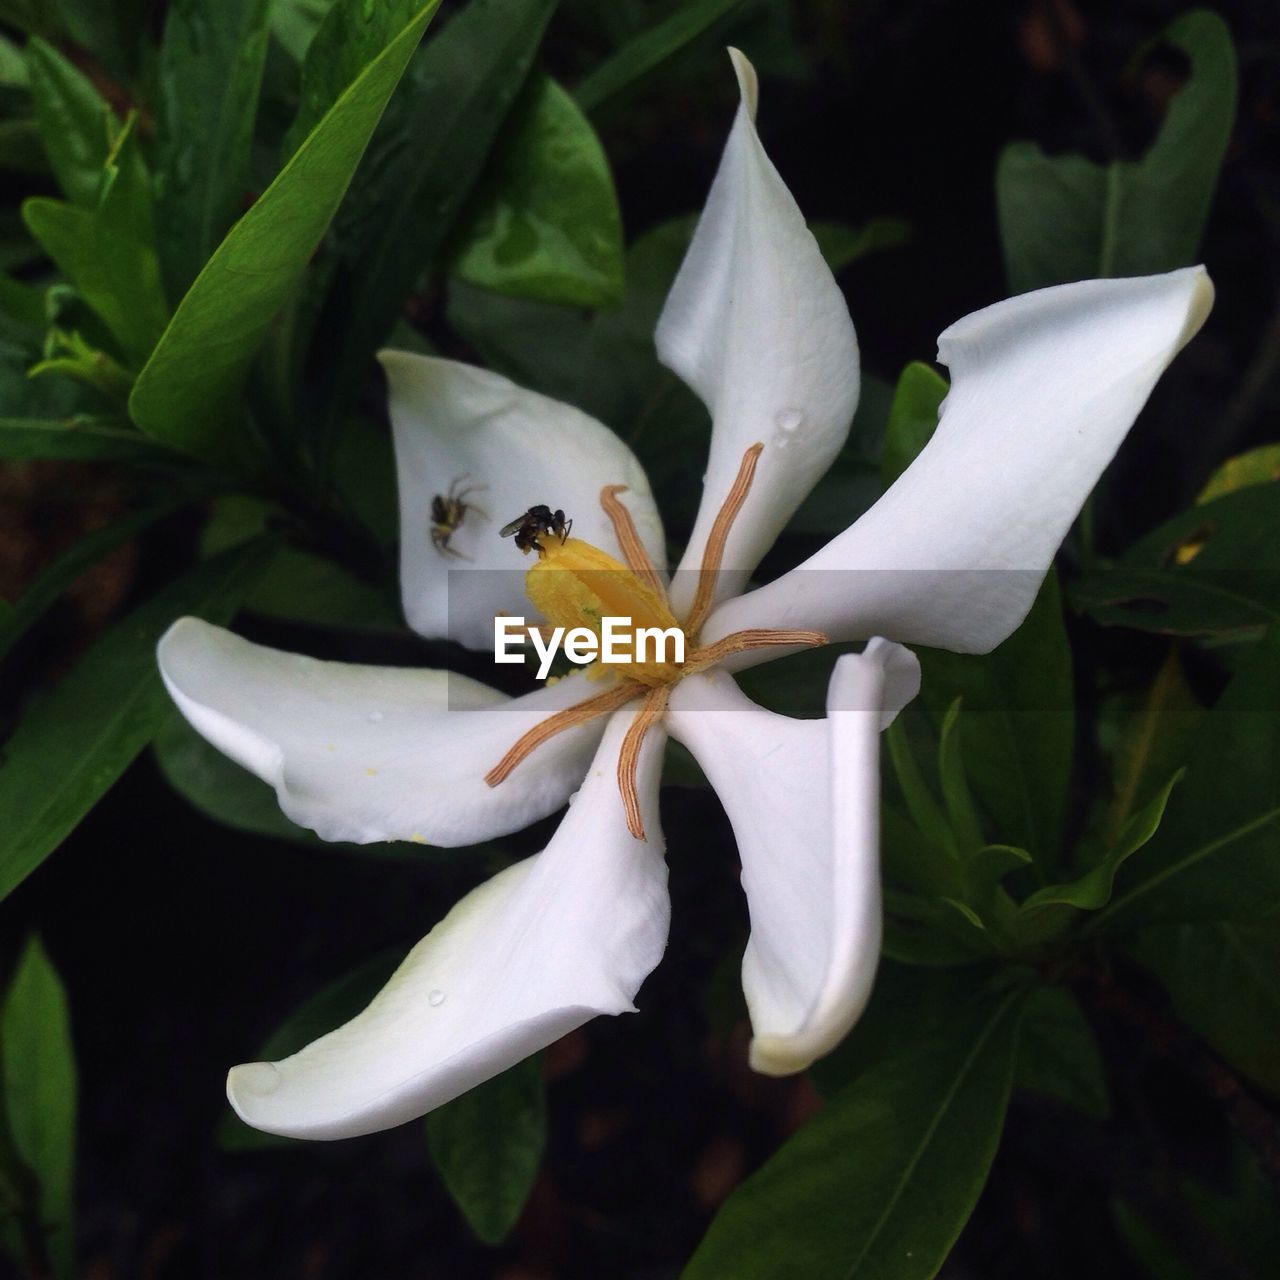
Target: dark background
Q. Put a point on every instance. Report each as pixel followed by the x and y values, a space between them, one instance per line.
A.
pixel 183 944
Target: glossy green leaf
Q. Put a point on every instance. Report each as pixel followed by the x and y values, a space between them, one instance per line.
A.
pixel 38 1071
pixel 351 33
pixel 544 221
pixel 421 168
pixel 913 416
pixel 1064 218
pixel 77 439
pixel 76 125
pixel 1214 856
pixel 329 1008
pixel 202 155
pixel 649 50
pixel 54 580
pixel 878 1185
pixel 76 741
pixel 1058 1055
pixel 488 1144
pixel 1223 981
pixel 1017 731
pixel 1212 570
pixel 182 395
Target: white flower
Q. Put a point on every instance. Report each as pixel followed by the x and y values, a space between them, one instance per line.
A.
pixel 1044 388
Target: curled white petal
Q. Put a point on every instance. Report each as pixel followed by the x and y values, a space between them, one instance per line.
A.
pixel 458 426
pixel 543 947
pixel 1044 388
pixel 803 798
pixel 366 754
pixel 756 324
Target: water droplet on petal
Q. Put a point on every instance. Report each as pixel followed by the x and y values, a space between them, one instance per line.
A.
pixel 788 420
pixel 375 717
pixel 435 998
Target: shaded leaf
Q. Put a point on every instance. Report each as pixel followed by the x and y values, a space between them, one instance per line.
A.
pixel 1257 466
pixel 182 395
pixel 1214 857
pixel 203 154
pixel 913 417
pixel 1058 1055
pixel 78 439
pixel 76 125
pixel 649 50
pixel 38 1070
pixel 1064 218
pixel 544 221
pixel 76 741
pixel 880 1183
pixel 488 1144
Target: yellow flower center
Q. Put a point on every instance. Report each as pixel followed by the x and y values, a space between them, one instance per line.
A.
pixel 575 584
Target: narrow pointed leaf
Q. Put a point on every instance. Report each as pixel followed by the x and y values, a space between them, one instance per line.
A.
pixel 183 394
pixel 75 122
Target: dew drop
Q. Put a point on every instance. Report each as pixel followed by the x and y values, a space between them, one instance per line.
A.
pixel 375 717
pixel 435 998
pixel 788 420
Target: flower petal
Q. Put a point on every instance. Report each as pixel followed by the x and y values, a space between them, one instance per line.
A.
pixel 803 798
pixel 1044 388
pixel 757 326
pixel 538 950
pixel 456 425
pixel 375 753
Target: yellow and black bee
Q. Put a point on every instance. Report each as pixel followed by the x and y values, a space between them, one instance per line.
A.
pixel 530 526
pixel 448 511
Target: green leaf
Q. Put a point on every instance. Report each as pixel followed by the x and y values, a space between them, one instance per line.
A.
pixel 77 740
pixel 54 580
pixel 423 165
pixel 350 35
pixel 488 1144
pixel 36 17
pixel 295 22
pixel 1214 857
pixel 913 416
pixel 76 125
pixel 1212 570
pixel 1017 731
pixel 1058 1055
pixel 108 252
pixel 1065 218
pixel 1255 466
pixel 1150 742
pixel 961 813
pixel 880 1183
pixel 327 1010
pixel 1093 889
pixel 1223 981
pixel 38 1068
pixel 183 394
pixel 13 66
pixel 544 221
pixel 649 50
pixel 841 244
pixel 202 154
pixel 77 439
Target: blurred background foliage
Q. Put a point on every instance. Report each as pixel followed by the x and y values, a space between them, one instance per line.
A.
pixel 216 214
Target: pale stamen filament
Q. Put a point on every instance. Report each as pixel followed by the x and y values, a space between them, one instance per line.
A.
pixel 651 711
pixel 569 718
pixel 633 552
pixel 713 553
pixel 756 638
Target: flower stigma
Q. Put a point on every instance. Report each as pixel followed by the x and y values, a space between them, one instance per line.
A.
pixel 575 584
